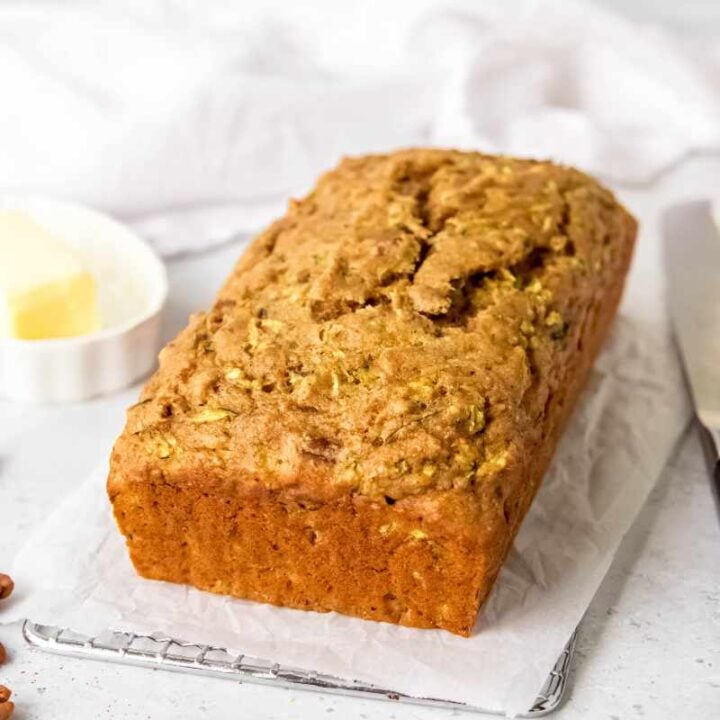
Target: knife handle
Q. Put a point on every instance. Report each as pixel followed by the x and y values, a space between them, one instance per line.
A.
pixel 711 444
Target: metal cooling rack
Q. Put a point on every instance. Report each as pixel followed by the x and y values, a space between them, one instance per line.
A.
pixel 163 652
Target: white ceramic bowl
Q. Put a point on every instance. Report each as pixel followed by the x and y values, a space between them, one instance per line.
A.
pixel 132 291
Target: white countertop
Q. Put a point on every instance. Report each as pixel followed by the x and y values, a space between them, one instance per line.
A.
pixel 648 647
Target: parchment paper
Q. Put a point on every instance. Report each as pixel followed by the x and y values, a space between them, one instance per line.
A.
pixel 75 570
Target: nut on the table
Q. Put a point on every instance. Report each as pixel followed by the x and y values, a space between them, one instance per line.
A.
pixel 6 586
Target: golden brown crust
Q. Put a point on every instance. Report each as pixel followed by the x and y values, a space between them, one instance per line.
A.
pixel 399 352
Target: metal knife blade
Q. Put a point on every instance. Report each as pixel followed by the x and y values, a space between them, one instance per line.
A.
pixel 692 264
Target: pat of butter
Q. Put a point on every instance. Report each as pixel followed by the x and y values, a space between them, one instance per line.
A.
pixel 45 292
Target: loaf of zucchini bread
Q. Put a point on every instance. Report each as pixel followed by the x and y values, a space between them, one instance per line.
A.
pixel 360 421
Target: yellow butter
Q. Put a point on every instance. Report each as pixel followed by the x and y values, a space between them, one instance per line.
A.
pixel 45 292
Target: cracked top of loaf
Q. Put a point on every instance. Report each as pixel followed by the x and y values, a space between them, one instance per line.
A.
pixel 399 331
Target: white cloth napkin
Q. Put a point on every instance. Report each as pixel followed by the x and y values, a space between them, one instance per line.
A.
pixel 195 121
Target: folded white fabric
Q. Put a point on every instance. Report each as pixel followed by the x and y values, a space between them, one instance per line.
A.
pixel 196 121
